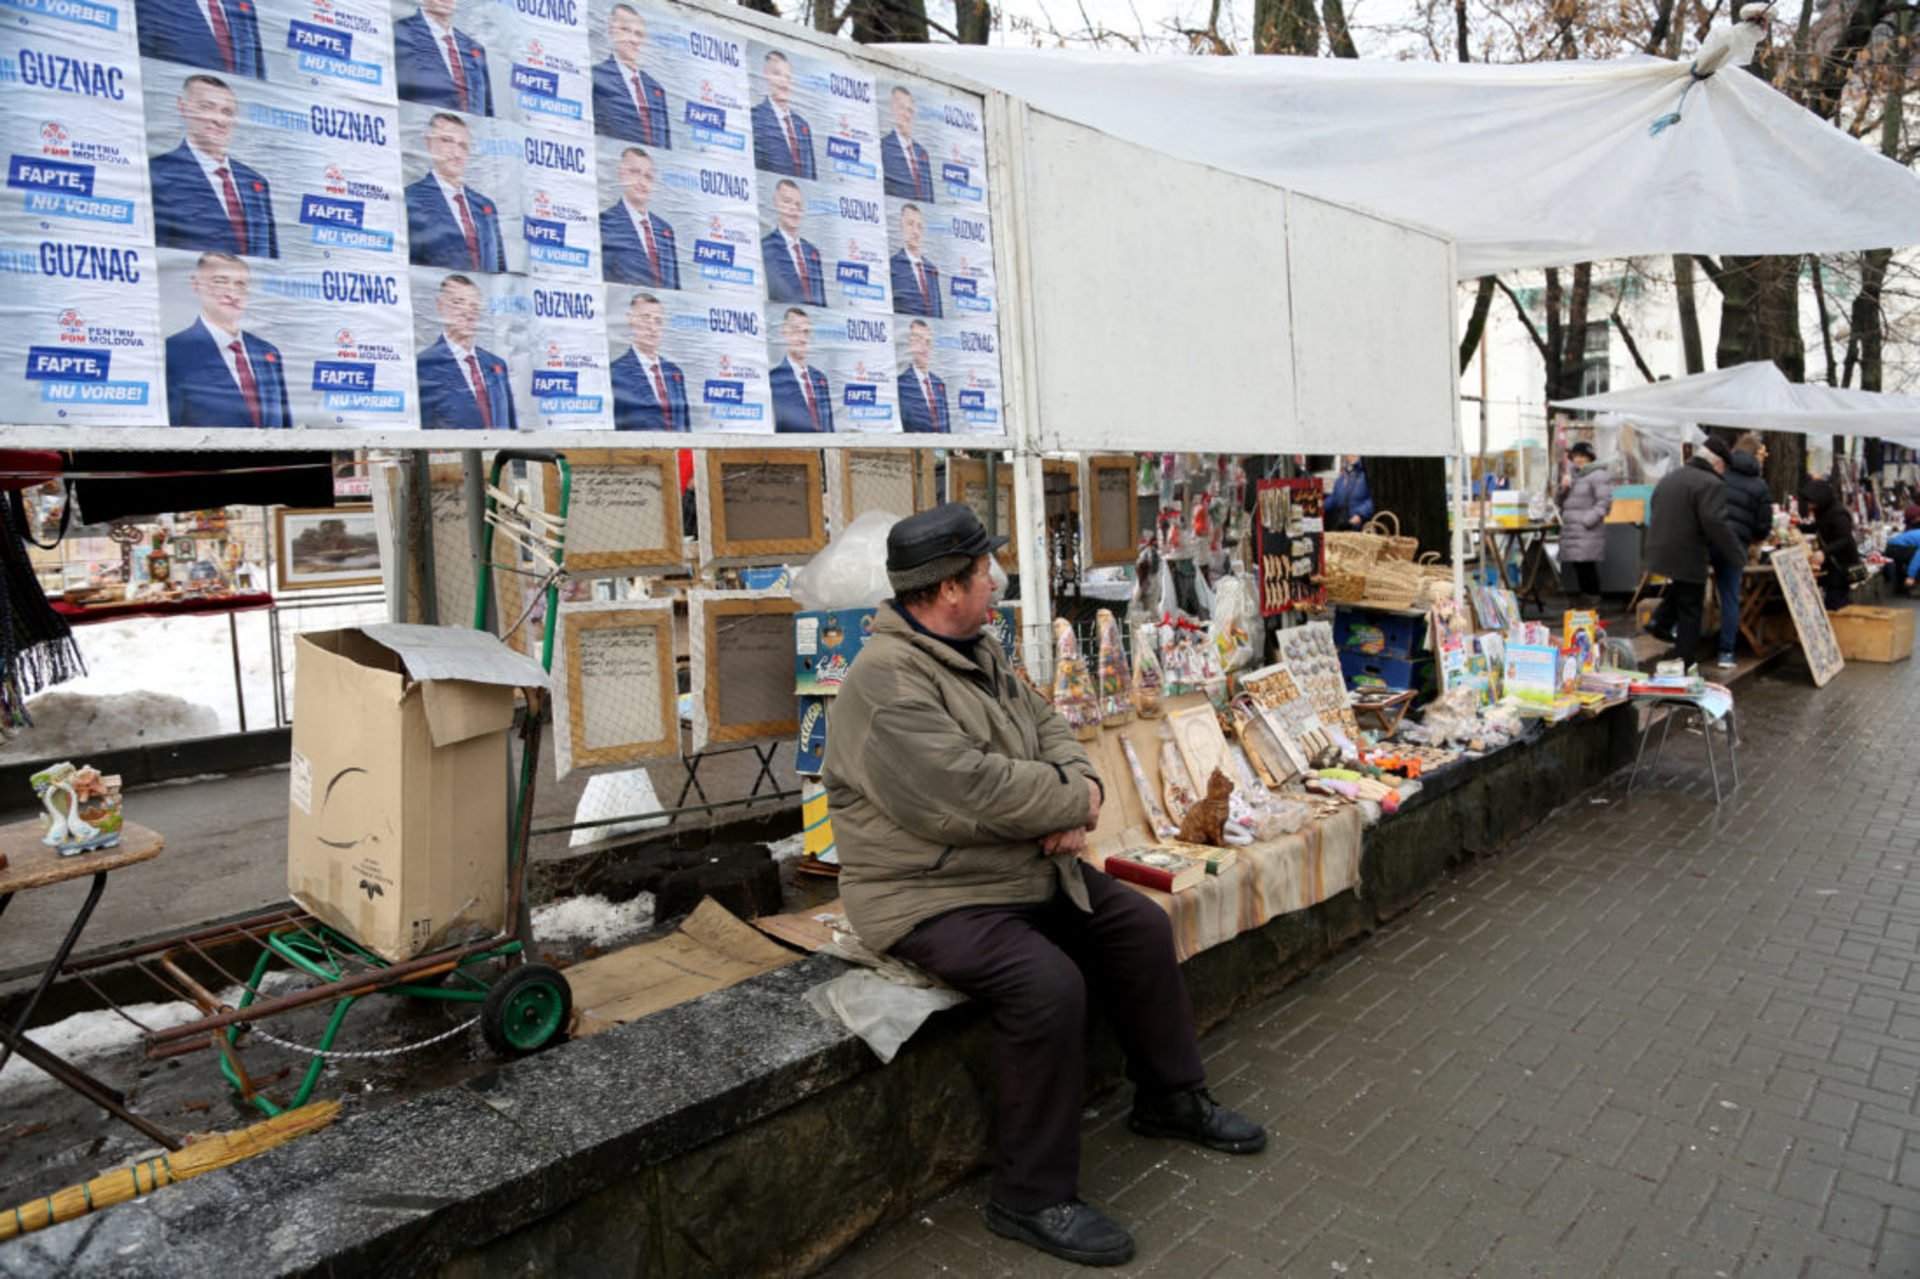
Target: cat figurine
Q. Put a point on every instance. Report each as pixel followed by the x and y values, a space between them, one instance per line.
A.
pixel 1203 822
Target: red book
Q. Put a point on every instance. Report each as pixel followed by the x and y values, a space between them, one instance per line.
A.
pixel 1156 868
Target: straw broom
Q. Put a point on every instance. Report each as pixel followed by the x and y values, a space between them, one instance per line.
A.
pixel 216 1150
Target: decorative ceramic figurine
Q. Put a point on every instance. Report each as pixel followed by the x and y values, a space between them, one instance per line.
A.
pixel 83 808
pixel 1204 822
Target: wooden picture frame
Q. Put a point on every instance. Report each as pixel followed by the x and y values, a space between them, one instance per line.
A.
pixel 624 511
pixel 862 480
pixel 967 482
pixel 1793 567
pixel 331 558
pixel 1114 504
pixel 759 506
pixel 615 659
pixel 742 666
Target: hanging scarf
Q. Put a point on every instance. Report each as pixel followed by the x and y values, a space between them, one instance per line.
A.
pixel 36 645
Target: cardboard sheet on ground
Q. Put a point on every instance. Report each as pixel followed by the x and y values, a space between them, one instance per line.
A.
pixel 711 950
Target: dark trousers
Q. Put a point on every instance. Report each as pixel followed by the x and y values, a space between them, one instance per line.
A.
pixel 1680 611
pixel 1726 585
pixel 1033 967
pixel 1586 574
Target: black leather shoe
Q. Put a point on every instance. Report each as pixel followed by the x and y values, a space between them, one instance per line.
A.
pixel 1660 633
pixel 1069 1230
pixel 1195 1116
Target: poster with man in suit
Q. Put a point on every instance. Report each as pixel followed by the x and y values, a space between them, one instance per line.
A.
pixel 204 197
pixel 916 281
pixel 220 35
pixel 636 244
pixel 668 79
pixel 451 224
pixel 907 166
pixel 438 64
pixel 649 391
pixel 782 138
pixel 924 407
pixel 792 263
pixel 219 372
pixel 463 385
pixel 802 396
pixel 679 221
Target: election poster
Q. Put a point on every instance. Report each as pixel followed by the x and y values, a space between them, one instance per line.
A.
pixel 461 176
pixel 271 345
pixel 966 355
pixel 75 142
pixel 541 63
pixel 942 261
pixel 560 367
pixel 682 220
pixel 258 170
pixel 831 371
pixel 104 26
pixel 682 362
pixel 313 45
pixel 934 148
pixel 559 222
pixel 80 333
pixel 466 330
pixel 667 79
pixel 440 55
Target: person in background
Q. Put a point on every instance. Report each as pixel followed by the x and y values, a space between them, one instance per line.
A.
pixel 1584 498
pixel 1824 519
pixel 1687 518
pixel 1351 503
pixel 1910 516
pixel 1901 548
pixel 1750 513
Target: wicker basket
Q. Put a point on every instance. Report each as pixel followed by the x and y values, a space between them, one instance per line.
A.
pixel 1353 551
pixel 1394 584
pixel 1386 526
pixel 1344 585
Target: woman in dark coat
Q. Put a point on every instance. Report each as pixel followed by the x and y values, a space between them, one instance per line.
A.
pixel 1585 497
pixel 1825 519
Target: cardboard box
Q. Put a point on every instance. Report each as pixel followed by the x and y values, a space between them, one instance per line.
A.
pixel 397 813
pixel 1873 634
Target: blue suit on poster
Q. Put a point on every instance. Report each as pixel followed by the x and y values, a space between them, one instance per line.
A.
pixel 907 298
pixel 615 114
pixel 636 405
pixel 421 71
pixel 188 215
pixel 770 148
pixel 623 254
pixel 790 414
pixel 917 415
pixel 447 402
pixel 783 276
pixel 180 31
pixel 436 237
pixel 901 180
pixel 203 391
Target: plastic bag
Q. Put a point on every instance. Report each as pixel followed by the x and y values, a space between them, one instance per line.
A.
pixel 1072 689
pixel 1148 677
pixel 1235 626
pixel 1115 679
pixel 852 571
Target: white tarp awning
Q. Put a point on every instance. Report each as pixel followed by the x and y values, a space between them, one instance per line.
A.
pixel 1523 166
pixel 1758 396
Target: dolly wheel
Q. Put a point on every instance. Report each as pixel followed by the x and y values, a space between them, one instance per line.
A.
pixel 526 1010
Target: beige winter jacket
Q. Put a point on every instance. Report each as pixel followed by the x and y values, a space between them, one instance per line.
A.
pixel 942 775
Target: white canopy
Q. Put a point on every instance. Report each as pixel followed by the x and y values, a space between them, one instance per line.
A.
pixel 1759 396
pixel 1522 166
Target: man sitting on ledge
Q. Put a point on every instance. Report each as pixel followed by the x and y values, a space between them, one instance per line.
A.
pixel 960 803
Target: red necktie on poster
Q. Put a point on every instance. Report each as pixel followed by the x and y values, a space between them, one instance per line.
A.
pixel 466 227
pixel 806 393
pixel 646 116
pixel 222 33
pixel 459 72
pixel 793 146
pixel 660 390
pixel 800 267
pixel 249 389
pixel 236 213
pixel 653 256
pixel 480 396
pixel 920 275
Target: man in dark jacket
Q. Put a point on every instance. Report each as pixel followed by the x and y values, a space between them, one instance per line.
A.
pixel 961 802
pixel 1750 515
pixel 1688 519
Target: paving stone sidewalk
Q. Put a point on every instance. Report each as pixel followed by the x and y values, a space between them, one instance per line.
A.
pixel 1654 1038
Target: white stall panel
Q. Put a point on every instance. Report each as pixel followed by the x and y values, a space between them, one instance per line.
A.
pixel 1373 349
pixel 1158 294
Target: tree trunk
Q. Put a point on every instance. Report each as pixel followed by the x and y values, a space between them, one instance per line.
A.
pixel 1286 26
pixel 1760 314
pixel 1415 490
pixel 974 20
pixel 1339 38
pixel 1692 351
pixel 767 7
pixel 889 21
pixel 1477 322
pixel 1571 367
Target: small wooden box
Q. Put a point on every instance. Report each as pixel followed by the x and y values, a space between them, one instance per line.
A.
pixel 1873 634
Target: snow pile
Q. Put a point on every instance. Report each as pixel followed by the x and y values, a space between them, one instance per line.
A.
pixel 78 726
pixel 594 919
pixel 785 850
pixel 91 1034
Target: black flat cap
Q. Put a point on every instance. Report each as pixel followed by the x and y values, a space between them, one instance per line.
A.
pixel 951 532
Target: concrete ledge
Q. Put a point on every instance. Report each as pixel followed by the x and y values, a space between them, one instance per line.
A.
pixel 169 761
pixel 740 1133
